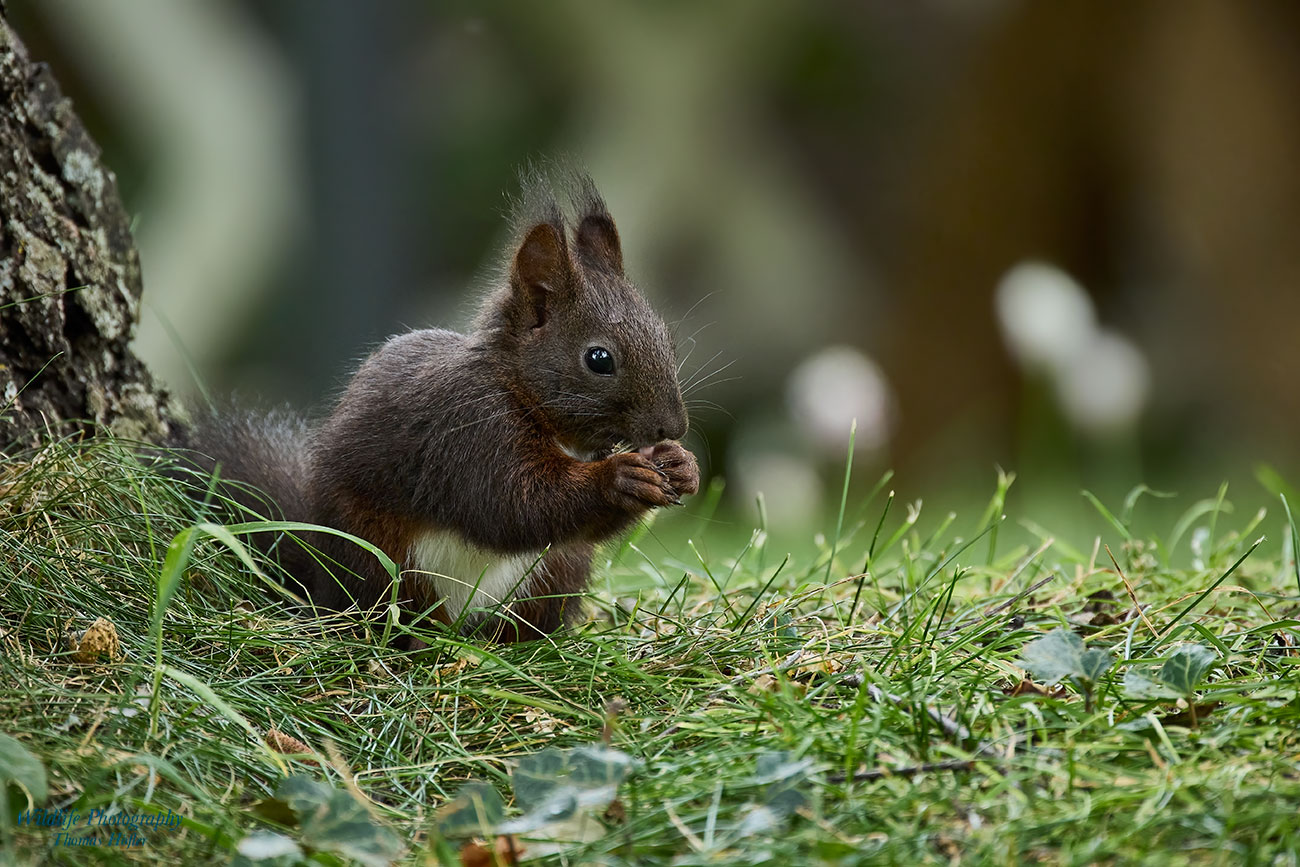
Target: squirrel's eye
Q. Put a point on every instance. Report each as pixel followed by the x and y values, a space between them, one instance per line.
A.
pixel 599 360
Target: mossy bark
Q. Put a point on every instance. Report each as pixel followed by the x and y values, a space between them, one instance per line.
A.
pixel 69 272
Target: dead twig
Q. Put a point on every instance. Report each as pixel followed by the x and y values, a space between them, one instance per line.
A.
pixel 1131 594
pixel 908 772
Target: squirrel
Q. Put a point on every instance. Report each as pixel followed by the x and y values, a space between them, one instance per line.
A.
pixel 487 465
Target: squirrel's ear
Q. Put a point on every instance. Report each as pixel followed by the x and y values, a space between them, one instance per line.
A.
pixel 540 270
pixel 598 243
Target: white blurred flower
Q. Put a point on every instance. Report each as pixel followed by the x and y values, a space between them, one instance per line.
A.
pixel 1100 377
pixel 1104 388
pixel 1046 317
pixel 791 489
pixel 830 389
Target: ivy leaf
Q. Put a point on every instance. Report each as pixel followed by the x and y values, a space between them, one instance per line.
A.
pixel 1186 667
pixel 1060 654
pixel 779 766
pixel 1143 688
pixel 596 766
pixel 561 804
pixel 784 799
pixel 593 772
pixel 1094 662
pixel 19 765
pixel 475 812
pixel 554 785
pixel 536 775
pixel 758 820
pixel 302 794
pixel 267 845
pixel 332 820
pixel 343 826
pixel 1179 676
pixel 1053 657
pixel 784 778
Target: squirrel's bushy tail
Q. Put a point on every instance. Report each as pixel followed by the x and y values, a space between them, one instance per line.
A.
pixel 264 454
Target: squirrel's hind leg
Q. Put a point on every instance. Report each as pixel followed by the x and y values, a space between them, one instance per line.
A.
pixel 550 599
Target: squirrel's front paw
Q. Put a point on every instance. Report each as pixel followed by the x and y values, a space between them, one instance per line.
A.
pixel 678 465
pixel 638 484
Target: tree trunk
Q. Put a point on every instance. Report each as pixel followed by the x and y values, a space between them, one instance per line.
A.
pixel 69 272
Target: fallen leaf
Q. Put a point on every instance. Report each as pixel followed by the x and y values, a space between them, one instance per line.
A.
pixel 615 813
pixel 505 851
pixel 288 745
pixel 540 721
pixel 947 847
pixel 1028 687
pixel 472 854
pixel 1186 719
pixel 458 665
pixel 99 639
pixel 818 668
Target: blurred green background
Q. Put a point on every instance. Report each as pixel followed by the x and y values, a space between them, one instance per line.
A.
pixel 1062 238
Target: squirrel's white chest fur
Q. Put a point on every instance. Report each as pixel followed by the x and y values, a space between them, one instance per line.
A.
pixel 465 576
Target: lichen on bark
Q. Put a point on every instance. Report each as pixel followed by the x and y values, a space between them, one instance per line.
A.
pixel 69 272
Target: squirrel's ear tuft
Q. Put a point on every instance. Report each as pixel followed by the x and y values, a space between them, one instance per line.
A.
pixel 539 271
pixel 598 244
pixel 596 237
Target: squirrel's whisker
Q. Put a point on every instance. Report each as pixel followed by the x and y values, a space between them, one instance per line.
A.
pixel 698 380
pixel 700 370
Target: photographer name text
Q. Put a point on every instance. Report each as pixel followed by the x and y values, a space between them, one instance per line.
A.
pixel 125 825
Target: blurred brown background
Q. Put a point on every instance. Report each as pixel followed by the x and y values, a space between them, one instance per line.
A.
pixel 840 194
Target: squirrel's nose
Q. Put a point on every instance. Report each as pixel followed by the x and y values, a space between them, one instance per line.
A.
pixel 668 423
pixel 674 431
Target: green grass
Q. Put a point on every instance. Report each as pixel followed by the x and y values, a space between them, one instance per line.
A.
pixel 887 702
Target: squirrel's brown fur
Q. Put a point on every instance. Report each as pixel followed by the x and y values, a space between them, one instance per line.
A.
pixel 495 446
